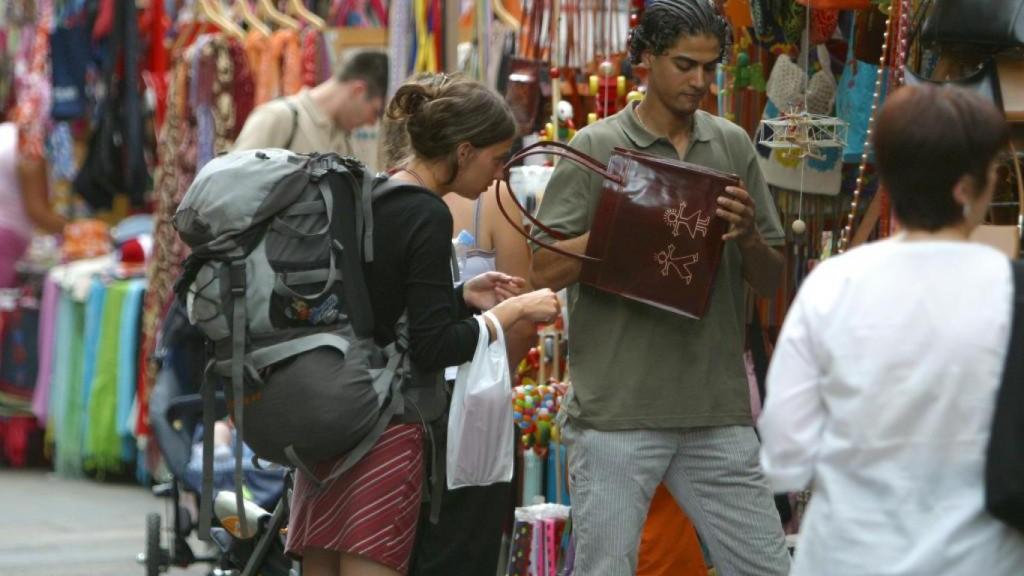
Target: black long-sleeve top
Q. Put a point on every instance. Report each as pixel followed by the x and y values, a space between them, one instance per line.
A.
pixel 412 271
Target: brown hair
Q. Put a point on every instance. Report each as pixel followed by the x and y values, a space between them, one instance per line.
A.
pixel 439 112
pixel 370 67
pixel 926 139
pixel 396 150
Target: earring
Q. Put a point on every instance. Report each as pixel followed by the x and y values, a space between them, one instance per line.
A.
pixel 967 211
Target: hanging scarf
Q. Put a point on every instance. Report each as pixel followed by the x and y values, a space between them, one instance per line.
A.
pixel 400 45
pixel 33 89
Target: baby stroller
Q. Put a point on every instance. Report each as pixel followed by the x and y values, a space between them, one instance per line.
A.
pixel 176 422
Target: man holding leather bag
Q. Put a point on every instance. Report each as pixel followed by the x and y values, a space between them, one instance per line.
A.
pixel 657 396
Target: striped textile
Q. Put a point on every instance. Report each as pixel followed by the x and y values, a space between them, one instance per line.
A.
pixel 371 510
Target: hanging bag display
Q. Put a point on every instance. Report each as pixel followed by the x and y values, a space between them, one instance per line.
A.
pixel 787 87
pixel 655 238
pixel 853 100
pixel 1004 466
pixel 481 438
pixel 985 82
pixel 990 23
pixel 116 162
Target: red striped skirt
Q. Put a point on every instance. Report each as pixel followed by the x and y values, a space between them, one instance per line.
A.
pixel 371 510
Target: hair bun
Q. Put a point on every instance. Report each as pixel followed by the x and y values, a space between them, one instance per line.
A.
pixel 410 100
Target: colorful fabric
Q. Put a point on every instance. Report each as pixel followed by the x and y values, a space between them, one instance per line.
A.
pixel 68 456
pixel 291 71
pixel 281 67
pixel 856 90
pixel 84 239
pixel 92 334
pixel 33 88
pixel 310 55
pixel 127 363
pixel 12 246
pixel 256 45
pixel 47 333
pixel 102 443
pixel 18 357
pixel 70 47
pixel 243 88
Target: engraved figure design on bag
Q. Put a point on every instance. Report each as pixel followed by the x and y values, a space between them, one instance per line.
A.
pixel 681 264
pixel 694 223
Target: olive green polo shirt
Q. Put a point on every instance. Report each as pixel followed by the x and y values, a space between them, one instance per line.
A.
pixel 636 366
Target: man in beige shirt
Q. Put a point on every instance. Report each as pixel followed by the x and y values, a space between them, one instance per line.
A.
pixel 321 119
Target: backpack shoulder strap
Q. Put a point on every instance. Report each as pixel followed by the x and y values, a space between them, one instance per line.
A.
pixel 295 121
pixel 1004 468
pixel 373 190
pixel 206 491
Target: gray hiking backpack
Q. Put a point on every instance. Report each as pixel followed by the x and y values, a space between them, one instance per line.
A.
pixel 275 282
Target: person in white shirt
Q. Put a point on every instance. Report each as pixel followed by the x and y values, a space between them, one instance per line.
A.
pixel 883 383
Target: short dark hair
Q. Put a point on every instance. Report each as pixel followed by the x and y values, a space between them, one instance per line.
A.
pixel 442 112
pixel 926 139
pixel 664 22
pixel 370 67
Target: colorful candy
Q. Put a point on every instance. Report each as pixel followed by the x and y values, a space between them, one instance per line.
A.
pixel 534 408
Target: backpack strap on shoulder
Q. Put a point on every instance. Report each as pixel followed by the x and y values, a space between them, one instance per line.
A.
pixel 209 393
pixel 237 287
pixel 1004 468
pixel 295 122
pixel 374 189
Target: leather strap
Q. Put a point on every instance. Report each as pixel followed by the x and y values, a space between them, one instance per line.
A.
pixel 564 151
pixel 1020 188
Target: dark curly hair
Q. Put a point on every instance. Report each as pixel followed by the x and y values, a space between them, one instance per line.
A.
pixel 664 22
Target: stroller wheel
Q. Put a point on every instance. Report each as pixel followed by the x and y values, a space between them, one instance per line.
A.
pixel 154 553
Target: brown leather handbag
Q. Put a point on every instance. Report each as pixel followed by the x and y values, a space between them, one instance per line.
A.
pixel 656 237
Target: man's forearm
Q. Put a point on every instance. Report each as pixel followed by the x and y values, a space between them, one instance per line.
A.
pixel 763 266
pixel 554 271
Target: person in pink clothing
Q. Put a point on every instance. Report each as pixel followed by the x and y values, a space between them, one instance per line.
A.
pixel 23 198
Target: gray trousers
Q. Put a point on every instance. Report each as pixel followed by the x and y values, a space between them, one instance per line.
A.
pixel 714 475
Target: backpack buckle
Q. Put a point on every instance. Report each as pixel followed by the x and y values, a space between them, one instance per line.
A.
pixel 237 277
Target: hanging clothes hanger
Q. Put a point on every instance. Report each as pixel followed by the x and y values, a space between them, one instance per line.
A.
pixel 250 18
pixel 186 29
pixel 279 18
pixel 504 15
pixel 299 10
pixel 211 10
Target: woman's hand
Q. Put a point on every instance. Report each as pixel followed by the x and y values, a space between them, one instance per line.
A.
pixel 490 289
pixel 539 305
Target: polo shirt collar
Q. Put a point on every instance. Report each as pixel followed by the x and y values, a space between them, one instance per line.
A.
pixel 643 139
pixel 315 113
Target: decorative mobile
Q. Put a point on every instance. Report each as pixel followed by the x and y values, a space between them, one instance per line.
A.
pixel 803 133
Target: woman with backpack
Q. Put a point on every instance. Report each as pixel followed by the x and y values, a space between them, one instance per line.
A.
pixel 466 539
pixel 364 522
pixel 883 384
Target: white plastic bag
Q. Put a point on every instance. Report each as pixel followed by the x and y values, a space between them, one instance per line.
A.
pixel 480 441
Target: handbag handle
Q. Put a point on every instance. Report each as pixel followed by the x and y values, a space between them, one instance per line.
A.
pixel 564 151
pixel 1020 188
